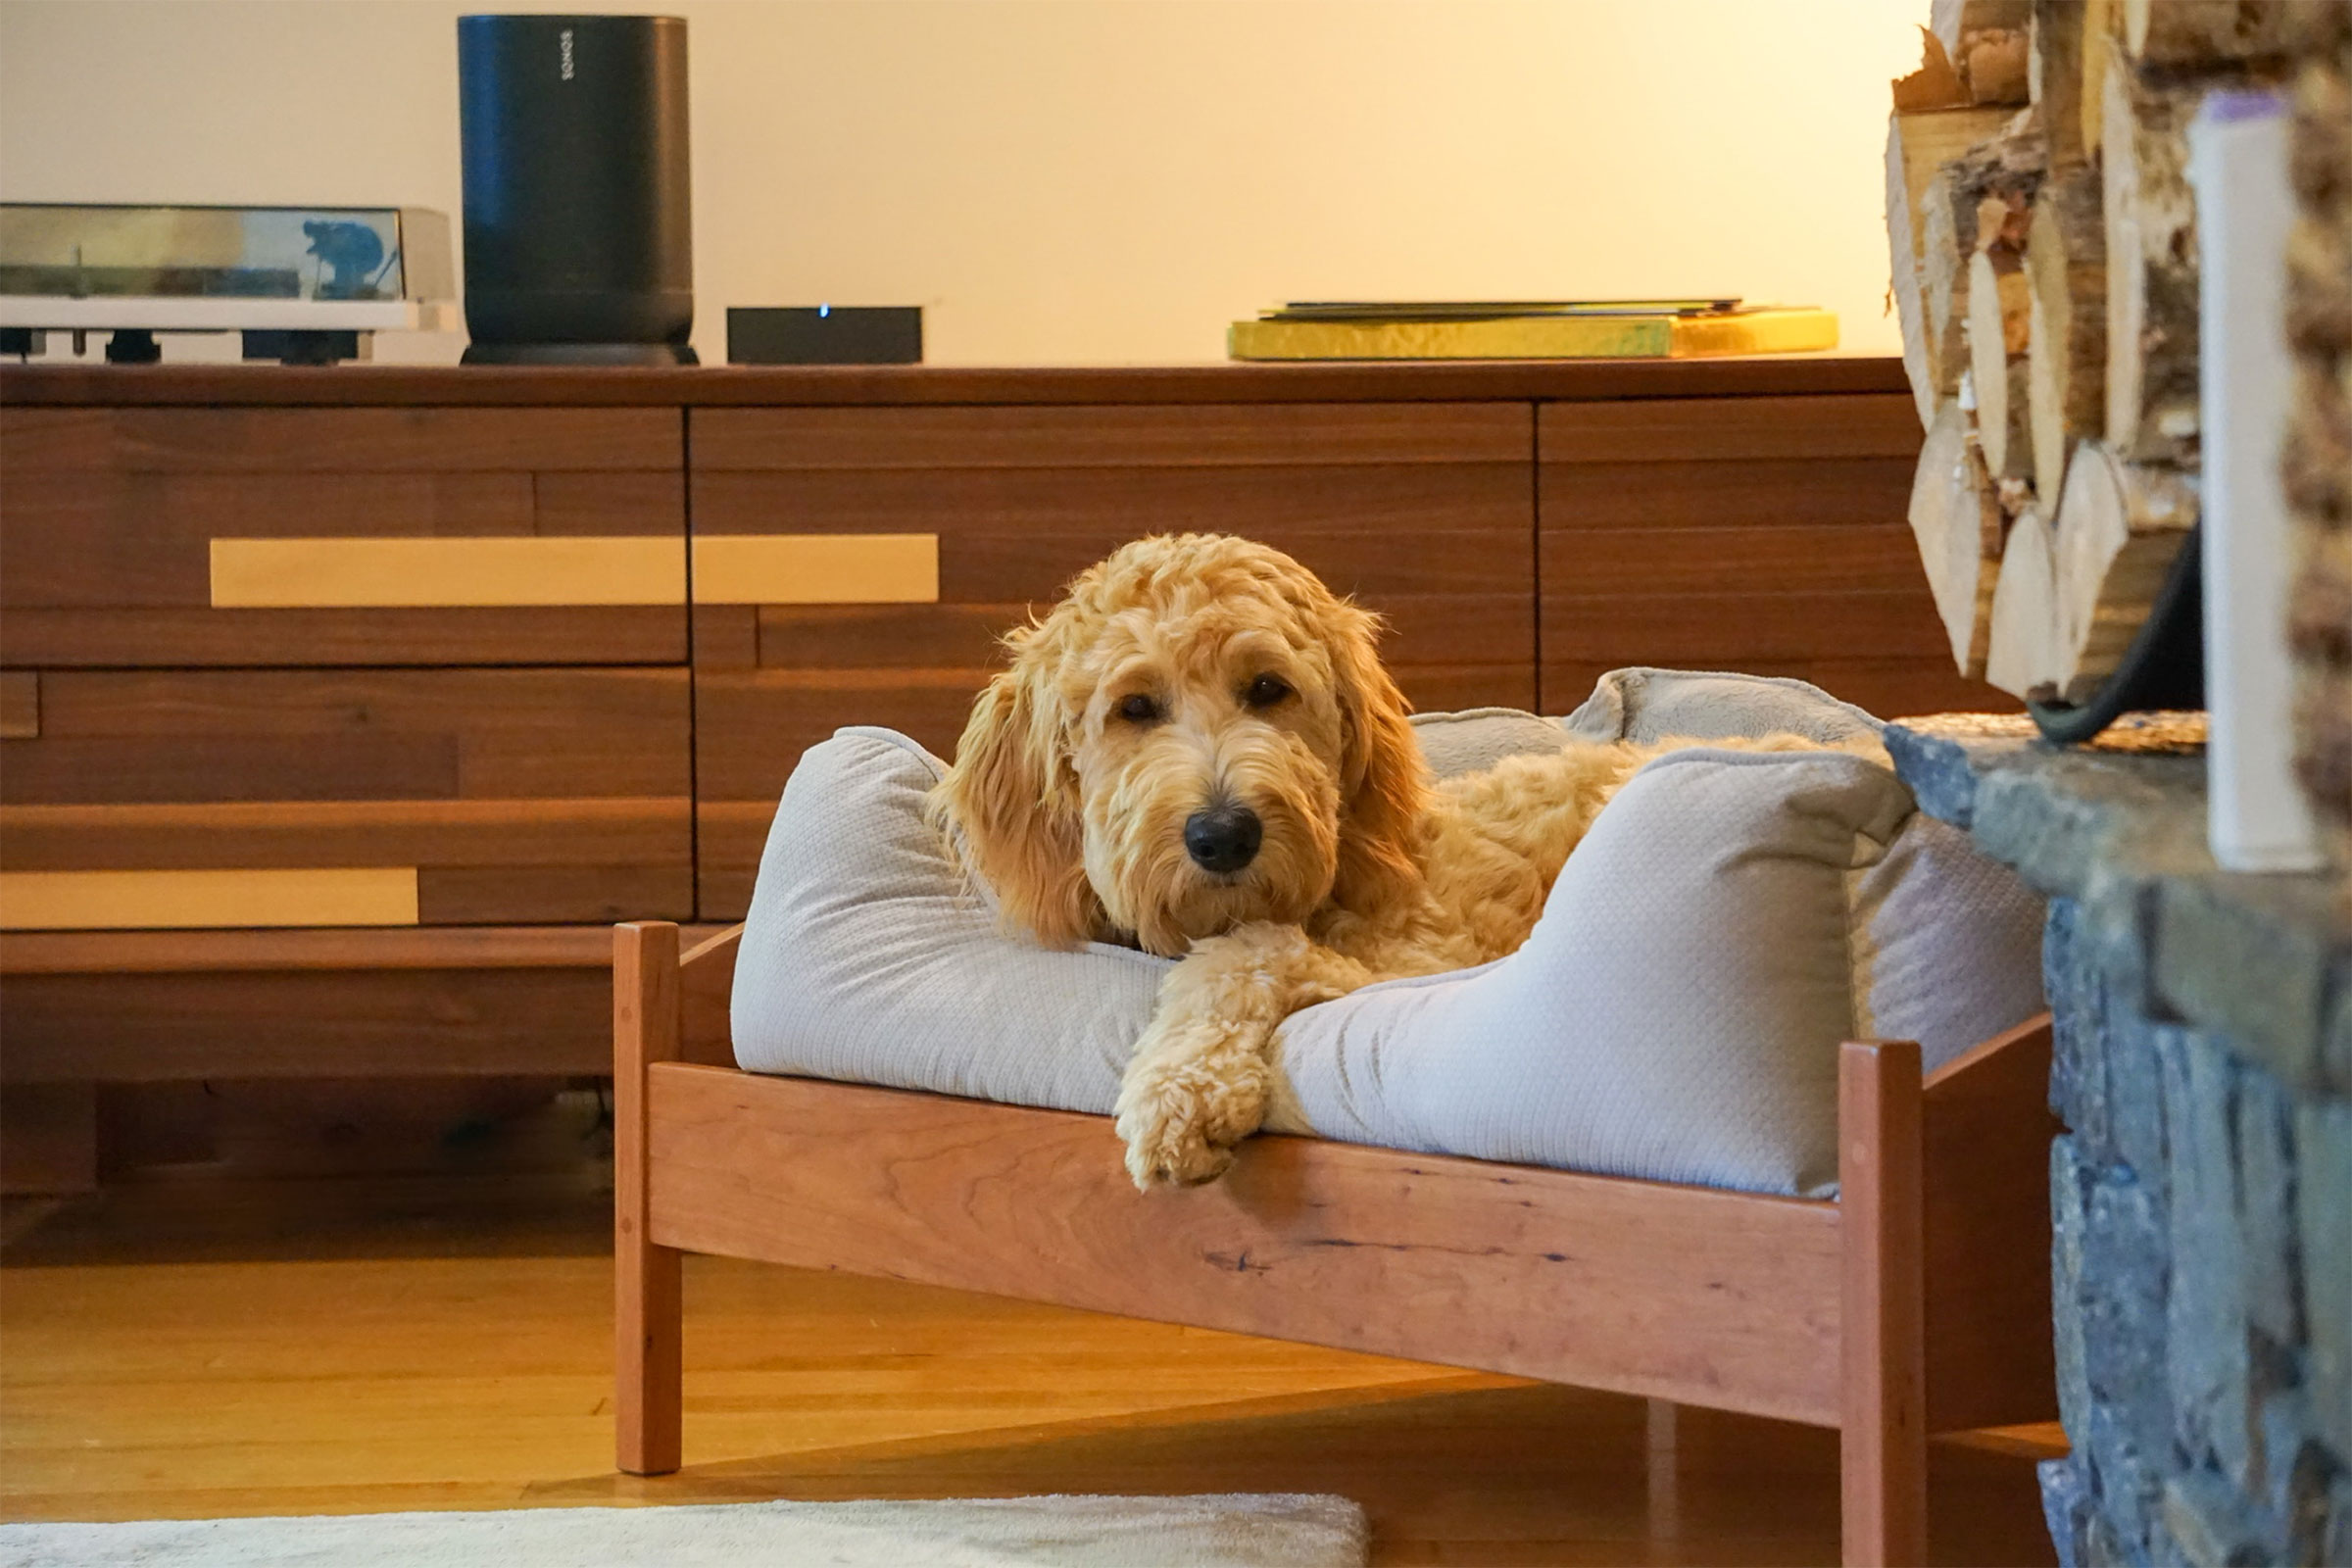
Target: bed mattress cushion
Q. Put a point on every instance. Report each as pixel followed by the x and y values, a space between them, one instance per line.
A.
pixel 1731 917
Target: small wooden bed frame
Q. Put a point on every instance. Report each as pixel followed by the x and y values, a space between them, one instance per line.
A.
pixel 1812 1311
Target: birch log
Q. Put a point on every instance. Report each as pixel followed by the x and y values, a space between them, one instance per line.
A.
pixel 1986 42
pixel 1959 528
pixel 2054 79
pixel 2151 269
pixel 1999 332
pixel 2119 527
pixel 2021 653
pixel 2205 32
pixel 2066 277
pixel 1918 146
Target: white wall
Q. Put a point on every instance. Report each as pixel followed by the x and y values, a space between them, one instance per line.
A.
pixel 1067 181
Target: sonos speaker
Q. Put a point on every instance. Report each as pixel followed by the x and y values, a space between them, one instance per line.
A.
pixel 579 245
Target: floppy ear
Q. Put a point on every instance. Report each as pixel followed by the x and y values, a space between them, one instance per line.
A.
pixel 1383 781
pixel 1012 804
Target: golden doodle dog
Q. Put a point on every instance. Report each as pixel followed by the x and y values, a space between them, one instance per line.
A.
pixel 1198 753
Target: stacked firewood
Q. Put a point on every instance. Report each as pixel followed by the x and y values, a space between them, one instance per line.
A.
pixel 2044 251
pixel 2318 438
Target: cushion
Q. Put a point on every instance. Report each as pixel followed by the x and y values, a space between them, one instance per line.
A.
pixel 1729 919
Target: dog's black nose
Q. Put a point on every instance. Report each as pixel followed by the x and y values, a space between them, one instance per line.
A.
pixel 1223 838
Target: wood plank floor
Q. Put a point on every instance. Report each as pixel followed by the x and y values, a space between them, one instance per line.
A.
pixel 209 1345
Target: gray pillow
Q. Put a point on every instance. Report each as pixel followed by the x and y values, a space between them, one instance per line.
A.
pixel 1674 1016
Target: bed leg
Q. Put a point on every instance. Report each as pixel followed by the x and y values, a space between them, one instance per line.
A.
pixel 646 1326
pixel 1883 1416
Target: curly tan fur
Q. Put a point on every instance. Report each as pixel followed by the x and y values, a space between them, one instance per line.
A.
pixel 1141 700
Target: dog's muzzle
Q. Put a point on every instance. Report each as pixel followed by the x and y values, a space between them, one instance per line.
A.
pixel 1223 838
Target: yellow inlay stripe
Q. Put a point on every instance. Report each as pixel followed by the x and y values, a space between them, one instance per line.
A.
pixel 176 900
pixel 437 573
pixel 816 569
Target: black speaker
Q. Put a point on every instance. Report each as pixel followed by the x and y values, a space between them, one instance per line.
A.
pixel 579 235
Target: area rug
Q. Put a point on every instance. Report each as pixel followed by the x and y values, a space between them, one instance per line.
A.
pixel 1233 1531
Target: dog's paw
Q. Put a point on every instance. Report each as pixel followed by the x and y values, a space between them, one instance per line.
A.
pixel 1179 1123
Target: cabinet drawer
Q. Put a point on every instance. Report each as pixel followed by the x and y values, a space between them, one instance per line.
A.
pixel 133 537
pixel 1424 511
pixel 228 798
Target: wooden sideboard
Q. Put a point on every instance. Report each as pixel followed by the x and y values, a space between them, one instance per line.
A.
pixel 340 710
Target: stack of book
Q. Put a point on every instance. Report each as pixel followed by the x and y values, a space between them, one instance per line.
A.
pixel 1550 329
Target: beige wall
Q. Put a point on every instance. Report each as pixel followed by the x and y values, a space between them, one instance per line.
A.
pixel 1074 181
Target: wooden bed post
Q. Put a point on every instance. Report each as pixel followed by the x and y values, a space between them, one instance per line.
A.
pixel 1882 1438
pixel 647 1363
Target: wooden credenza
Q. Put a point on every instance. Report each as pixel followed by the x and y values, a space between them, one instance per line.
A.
pixel 341 709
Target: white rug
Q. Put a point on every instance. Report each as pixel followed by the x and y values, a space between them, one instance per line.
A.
pixel 1234 1531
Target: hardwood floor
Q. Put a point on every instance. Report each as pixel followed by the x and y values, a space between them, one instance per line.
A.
pixel 203 1343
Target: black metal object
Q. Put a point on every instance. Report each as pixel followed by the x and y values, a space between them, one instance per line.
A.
pixel 132 345
pixel 825 335
pixel 578 216
pixel 2163 669
pixel 23 341
pixel 301 346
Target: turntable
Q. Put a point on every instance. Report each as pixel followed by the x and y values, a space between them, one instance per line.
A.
pixel 308 285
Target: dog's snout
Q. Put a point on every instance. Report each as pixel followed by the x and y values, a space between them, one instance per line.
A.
pixel 1223 838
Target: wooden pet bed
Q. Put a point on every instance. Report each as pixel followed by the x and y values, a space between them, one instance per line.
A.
pixel 1812 1311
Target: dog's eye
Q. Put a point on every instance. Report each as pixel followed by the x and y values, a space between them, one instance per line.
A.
pixel 1139 709
pixel 1265 692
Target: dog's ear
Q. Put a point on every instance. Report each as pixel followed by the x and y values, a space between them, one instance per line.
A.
pixel 1011 805
pixel 1383 781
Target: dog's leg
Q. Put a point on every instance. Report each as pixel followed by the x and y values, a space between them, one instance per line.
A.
pixel 1197 1084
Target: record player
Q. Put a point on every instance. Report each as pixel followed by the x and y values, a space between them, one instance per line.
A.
pixel 308 285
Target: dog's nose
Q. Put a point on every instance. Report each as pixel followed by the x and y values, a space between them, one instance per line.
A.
pixel 1223 838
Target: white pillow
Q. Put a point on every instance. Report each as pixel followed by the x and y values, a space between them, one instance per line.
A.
pixel 1674 1016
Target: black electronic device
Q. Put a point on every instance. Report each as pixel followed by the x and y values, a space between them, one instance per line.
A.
pixel 825 335
pixel 578 219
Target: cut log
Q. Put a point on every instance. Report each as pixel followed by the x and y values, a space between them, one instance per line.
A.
pixel 2000 331
pixel 1959 530
pixel 1986 41
pixel 1916 146
pixel 1948 239
pixel 2151 269
pixel 2054 79
pixel 2066 275
pixel 2021 653
pixel 2119 527
pixel 2204 32
pixel 2100 22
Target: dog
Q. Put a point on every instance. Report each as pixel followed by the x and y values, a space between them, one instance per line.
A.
pixel 1198 753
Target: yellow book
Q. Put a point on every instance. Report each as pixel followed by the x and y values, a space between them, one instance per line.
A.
pixel 1665 335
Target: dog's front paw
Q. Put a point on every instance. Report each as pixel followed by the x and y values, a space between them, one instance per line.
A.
pixel 1180 1121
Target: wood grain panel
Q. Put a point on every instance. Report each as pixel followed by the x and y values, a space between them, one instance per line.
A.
pixel 1720 631
pixel 307 1024
pixel 89 639
pixel 816 569
pixel 49 1139
pixel 522 794
pixel 1701 430
pixel 125 769
pixel 445 574
pixel 1062 438
pixel 1019 534
pixel 494 895
pixel 728 838
pixel 1767 493
pixel 1674 1292
pixel 146 899
pixel 1633 561
pixel 1890 688
pixel 368 440
pixel 114 511
pixel 328 833
pixel 533 947
pixel 20 704
pixel 554 732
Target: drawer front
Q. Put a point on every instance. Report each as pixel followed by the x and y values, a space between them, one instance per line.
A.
pixel 173 537
pixel 283 798
pixel 1761 534
pixel 1424 511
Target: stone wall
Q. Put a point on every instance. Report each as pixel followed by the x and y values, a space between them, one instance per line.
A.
pixel 2202 1195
